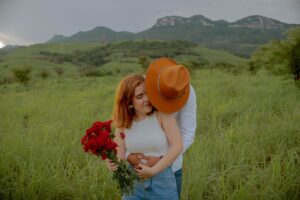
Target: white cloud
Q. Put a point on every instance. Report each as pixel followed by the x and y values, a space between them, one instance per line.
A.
pixel 13 40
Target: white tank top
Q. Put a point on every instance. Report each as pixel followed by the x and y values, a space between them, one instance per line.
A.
pixel 146 137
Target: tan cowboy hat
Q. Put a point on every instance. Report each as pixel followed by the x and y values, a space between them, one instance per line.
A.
pixel 167 84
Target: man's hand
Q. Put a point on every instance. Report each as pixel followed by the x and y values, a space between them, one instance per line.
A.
pixel 134 158
pixel 138 158
pixel 150 161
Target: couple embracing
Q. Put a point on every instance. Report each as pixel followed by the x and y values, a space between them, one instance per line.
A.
pixel 157 114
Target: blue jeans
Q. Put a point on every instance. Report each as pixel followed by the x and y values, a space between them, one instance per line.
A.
pixel 159 187
pixel 178 177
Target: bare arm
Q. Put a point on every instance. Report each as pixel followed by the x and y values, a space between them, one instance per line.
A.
pixel 121 150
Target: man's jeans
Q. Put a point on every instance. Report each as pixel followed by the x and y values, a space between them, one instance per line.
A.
pixel 178 178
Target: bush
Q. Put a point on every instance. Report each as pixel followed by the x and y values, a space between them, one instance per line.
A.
pixel 22 75
pixel 192 65
pixel 224 65
pixel 144 61
pixel 59 71
pixel 4 80
pixel 93 72
pixel 44 74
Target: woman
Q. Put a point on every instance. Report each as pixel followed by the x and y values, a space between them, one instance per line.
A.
pixel 149 132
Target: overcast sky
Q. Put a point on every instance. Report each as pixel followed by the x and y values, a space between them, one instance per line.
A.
pixel 26 22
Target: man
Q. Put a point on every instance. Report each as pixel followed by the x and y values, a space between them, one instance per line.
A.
pixel 168 89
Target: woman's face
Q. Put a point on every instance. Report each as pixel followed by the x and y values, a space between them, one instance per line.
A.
pixel 140 101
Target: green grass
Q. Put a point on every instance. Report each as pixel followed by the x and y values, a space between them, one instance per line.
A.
pixel 216 56
pixel 41 154
pixel 246 144
pixel 248 139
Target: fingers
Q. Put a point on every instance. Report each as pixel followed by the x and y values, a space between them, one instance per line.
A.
pixel 138 168
pixel 143 171
pixel 139 172
pixel 151 160
pixel 111 165
pixel 140 156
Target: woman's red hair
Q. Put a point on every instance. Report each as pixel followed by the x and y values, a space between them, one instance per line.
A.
pixel 122 113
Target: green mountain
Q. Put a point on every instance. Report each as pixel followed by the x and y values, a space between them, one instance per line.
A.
pixel 241 37
pixel 98 34
pixel 58 38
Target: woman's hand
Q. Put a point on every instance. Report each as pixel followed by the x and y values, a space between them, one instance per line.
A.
pixel 144 171
pixel 111 165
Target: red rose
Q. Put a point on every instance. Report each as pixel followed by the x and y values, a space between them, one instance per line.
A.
pixel 103 156
pixel 111 145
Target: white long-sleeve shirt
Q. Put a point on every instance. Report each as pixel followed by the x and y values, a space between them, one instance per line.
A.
pixel 186 120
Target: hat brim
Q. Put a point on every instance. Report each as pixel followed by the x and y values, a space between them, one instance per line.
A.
pixel 151 85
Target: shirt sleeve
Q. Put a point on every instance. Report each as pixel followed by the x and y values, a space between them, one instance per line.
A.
pixel 187 121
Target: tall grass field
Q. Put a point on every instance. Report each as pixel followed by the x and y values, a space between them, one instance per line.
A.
pixel 247 143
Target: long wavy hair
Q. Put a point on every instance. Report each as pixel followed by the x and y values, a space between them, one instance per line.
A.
pixel 123 112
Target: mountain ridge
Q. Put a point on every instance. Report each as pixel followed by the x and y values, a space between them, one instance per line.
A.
pixel 240 37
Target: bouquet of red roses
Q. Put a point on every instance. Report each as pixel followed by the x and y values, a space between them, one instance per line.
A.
pixel 98 140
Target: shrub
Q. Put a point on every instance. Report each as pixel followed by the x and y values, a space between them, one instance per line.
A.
pixel 144 61
pixel 59 71
pixel 44 74
pixel 22 75
pixel 93 72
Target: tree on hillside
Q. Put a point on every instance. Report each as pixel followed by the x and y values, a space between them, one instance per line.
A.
pixel 59 71
pixel 44 73
pixel 293 46
pixel 22 75
pixel 144 61
pixel 281 57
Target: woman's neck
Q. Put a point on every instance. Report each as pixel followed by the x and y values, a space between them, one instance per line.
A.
pixel 139 116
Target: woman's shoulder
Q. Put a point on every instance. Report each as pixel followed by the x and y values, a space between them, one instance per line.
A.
pixel 161 116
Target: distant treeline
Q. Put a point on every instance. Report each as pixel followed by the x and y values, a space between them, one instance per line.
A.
pixel 101 55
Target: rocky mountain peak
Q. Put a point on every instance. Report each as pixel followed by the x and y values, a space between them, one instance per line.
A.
pixel 200 19
pixel 177 20
pixel 257 21
pixel 169 21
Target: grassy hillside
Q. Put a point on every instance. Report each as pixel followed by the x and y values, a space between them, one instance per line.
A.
pixel 96 59
pixel 30 57
pixel 247 141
